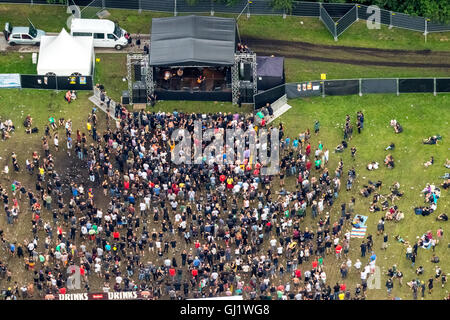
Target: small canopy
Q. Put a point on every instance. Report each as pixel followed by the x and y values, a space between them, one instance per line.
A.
pixel 270 66
pixel 270 72
pixel 64 54
pixel 193 41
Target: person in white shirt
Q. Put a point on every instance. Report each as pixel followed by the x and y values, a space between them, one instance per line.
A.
pixel 349 264
pixel 357 264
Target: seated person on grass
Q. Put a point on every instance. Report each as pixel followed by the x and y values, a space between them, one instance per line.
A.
pixel 429 162
pixel 341 147
pixel 447 164
pixel 358 221
pixel 434 259
pixel 432 139
pixel 389 161
pixel 442 217
pixel 372 166
pixel 446 184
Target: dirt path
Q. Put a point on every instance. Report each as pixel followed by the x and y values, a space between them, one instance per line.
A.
pixel 350 55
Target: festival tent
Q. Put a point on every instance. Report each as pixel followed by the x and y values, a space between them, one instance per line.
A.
pixel 193 41
pixel 270 72
pixel 65 55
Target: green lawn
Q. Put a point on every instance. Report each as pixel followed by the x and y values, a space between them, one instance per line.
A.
pixel 16 62
pixel 53 18
pixel 421 115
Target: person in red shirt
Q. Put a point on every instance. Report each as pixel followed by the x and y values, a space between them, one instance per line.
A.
pixel 338 251
pixel 308 150
pixel 314 264
pixel 298 273
pixel 308 165
pixel 116 235
pixel 343 287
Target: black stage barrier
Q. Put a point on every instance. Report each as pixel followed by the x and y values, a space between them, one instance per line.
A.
pixel 33 81
pixel 193 96
pixel 56 83
pixel 341 87
pixel 269 96
pixel 378 86
pixel 304 89
pixel 75 83
pixel 415 85
pixel 442 85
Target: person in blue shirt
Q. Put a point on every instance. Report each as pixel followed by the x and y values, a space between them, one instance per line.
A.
pixel 131 199
pixel 288 140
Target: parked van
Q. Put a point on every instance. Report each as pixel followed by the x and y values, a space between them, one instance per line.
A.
pixel 106 33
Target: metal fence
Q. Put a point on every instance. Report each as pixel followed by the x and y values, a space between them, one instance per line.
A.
pixel 345 14
pixel 33 81
pixel 353 86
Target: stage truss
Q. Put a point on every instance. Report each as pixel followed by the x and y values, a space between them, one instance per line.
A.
pixel 143 60
pixel 235 82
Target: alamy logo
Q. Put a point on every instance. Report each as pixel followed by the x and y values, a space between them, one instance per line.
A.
pixel 250 148
pixel 374 17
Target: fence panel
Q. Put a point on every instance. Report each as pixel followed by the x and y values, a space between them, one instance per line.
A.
pixel 306 9
pixel 223 8
pixel 32 81
pixel 270 96
pixel 437 27
pixel 415 85
pixel 74 83
pixel 341 87
pixel 83 3
pixel 337 10
pixel 405 21
pixel 303 89
pixel 158 5
pixel 346 21
pixel 328 21
pixel 119 4
pixel 203 6
pixel 378 86
pixel 443 85
pixel 364 14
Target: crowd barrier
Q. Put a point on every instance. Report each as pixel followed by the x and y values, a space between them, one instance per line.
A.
pixel 353 86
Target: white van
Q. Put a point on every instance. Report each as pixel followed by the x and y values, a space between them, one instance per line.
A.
pixel 106 33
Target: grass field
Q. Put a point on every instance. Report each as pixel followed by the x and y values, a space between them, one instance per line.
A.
pixel 53 18
pixel 421 116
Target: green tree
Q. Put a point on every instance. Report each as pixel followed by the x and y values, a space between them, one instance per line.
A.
pixel 285 5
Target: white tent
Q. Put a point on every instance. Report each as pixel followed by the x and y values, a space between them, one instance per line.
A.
pixel 64 55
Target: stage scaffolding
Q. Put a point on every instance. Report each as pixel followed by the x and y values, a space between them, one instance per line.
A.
pixel 143 60
pixel 247 58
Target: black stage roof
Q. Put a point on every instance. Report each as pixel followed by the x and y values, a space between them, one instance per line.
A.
pixel 193 41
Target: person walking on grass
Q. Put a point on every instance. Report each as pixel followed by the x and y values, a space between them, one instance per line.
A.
pixel 316 127
pixel 389 286
pixel 385 241
pixel 430 285
pixel 56 141
pixel 363 247
pixel 353 152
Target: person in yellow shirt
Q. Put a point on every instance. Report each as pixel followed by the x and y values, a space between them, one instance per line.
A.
pixel 89 127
